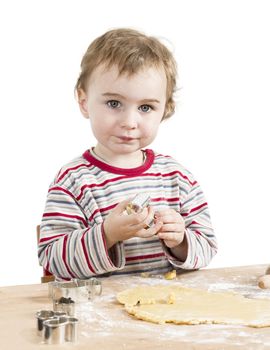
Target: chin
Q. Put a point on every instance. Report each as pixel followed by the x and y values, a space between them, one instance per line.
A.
pixel 127 147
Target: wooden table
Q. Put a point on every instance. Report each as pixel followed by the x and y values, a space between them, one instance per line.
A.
pixel 105 325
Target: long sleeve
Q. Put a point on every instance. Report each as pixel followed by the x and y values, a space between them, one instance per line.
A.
pixel 70 245
pixel 72 240
pixel 202 244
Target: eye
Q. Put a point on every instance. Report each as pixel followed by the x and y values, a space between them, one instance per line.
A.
pixel 145 108
pixel 113 104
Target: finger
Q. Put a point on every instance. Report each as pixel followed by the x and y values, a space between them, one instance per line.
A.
pixel 144 233
pixel 142 226
pixel 150 219
pixel 167 211
pixel 148 232
pixel 121 206
pixel 171 236
pixel 172 217
pixel 172 228
pixel 171 244
pixel 139 218
pixel 142 220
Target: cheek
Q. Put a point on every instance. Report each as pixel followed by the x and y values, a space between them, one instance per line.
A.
pixel 102 128
pixel 150 130
pixel 96 127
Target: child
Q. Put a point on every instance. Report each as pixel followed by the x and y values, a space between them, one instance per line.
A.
pixel 125 89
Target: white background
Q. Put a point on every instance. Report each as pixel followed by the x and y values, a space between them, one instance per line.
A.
pixel 220 131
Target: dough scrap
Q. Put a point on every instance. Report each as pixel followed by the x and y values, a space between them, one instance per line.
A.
pixel 189 306
pixel 171 275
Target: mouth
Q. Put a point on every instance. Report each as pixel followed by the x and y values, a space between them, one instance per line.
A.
pixel 126 138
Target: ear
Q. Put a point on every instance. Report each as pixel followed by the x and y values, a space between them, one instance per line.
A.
pixel 82 101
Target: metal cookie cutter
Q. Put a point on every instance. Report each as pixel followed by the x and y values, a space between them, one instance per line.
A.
pixel 42 316
pixel 138 203
pixel 65 305
pixel 71 329
pixel 55 330
pixel 45 315
pixel 65 295
pixel 61 329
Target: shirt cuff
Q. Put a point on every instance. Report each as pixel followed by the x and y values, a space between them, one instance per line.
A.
pixel 185 265
pixel 115 257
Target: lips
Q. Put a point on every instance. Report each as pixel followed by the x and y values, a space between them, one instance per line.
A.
pixel 126 138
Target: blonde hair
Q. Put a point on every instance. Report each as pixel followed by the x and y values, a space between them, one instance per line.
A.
pixel 130 51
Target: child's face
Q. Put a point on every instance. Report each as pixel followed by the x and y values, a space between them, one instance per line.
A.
pixel 125 111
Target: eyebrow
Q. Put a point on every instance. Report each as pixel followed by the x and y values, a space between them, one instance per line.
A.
pixel 115 95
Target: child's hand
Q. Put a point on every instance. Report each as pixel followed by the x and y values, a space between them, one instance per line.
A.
pixel 118 226
pixel 173 228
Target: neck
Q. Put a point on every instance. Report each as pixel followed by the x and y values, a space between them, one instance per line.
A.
pixel 120 161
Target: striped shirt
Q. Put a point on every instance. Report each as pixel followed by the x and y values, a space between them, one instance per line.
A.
pixel 72 241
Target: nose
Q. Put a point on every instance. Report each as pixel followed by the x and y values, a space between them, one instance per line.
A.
pixel 129 119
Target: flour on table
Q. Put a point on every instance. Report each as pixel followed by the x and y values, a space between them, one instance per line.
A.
pixel 104 316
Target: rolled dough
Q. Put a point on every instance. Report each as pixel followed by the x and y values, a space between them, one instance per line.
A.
pixel 181 305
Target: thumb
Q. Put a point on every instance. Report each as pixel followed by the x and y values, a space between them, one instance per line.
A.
pixel 121 206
